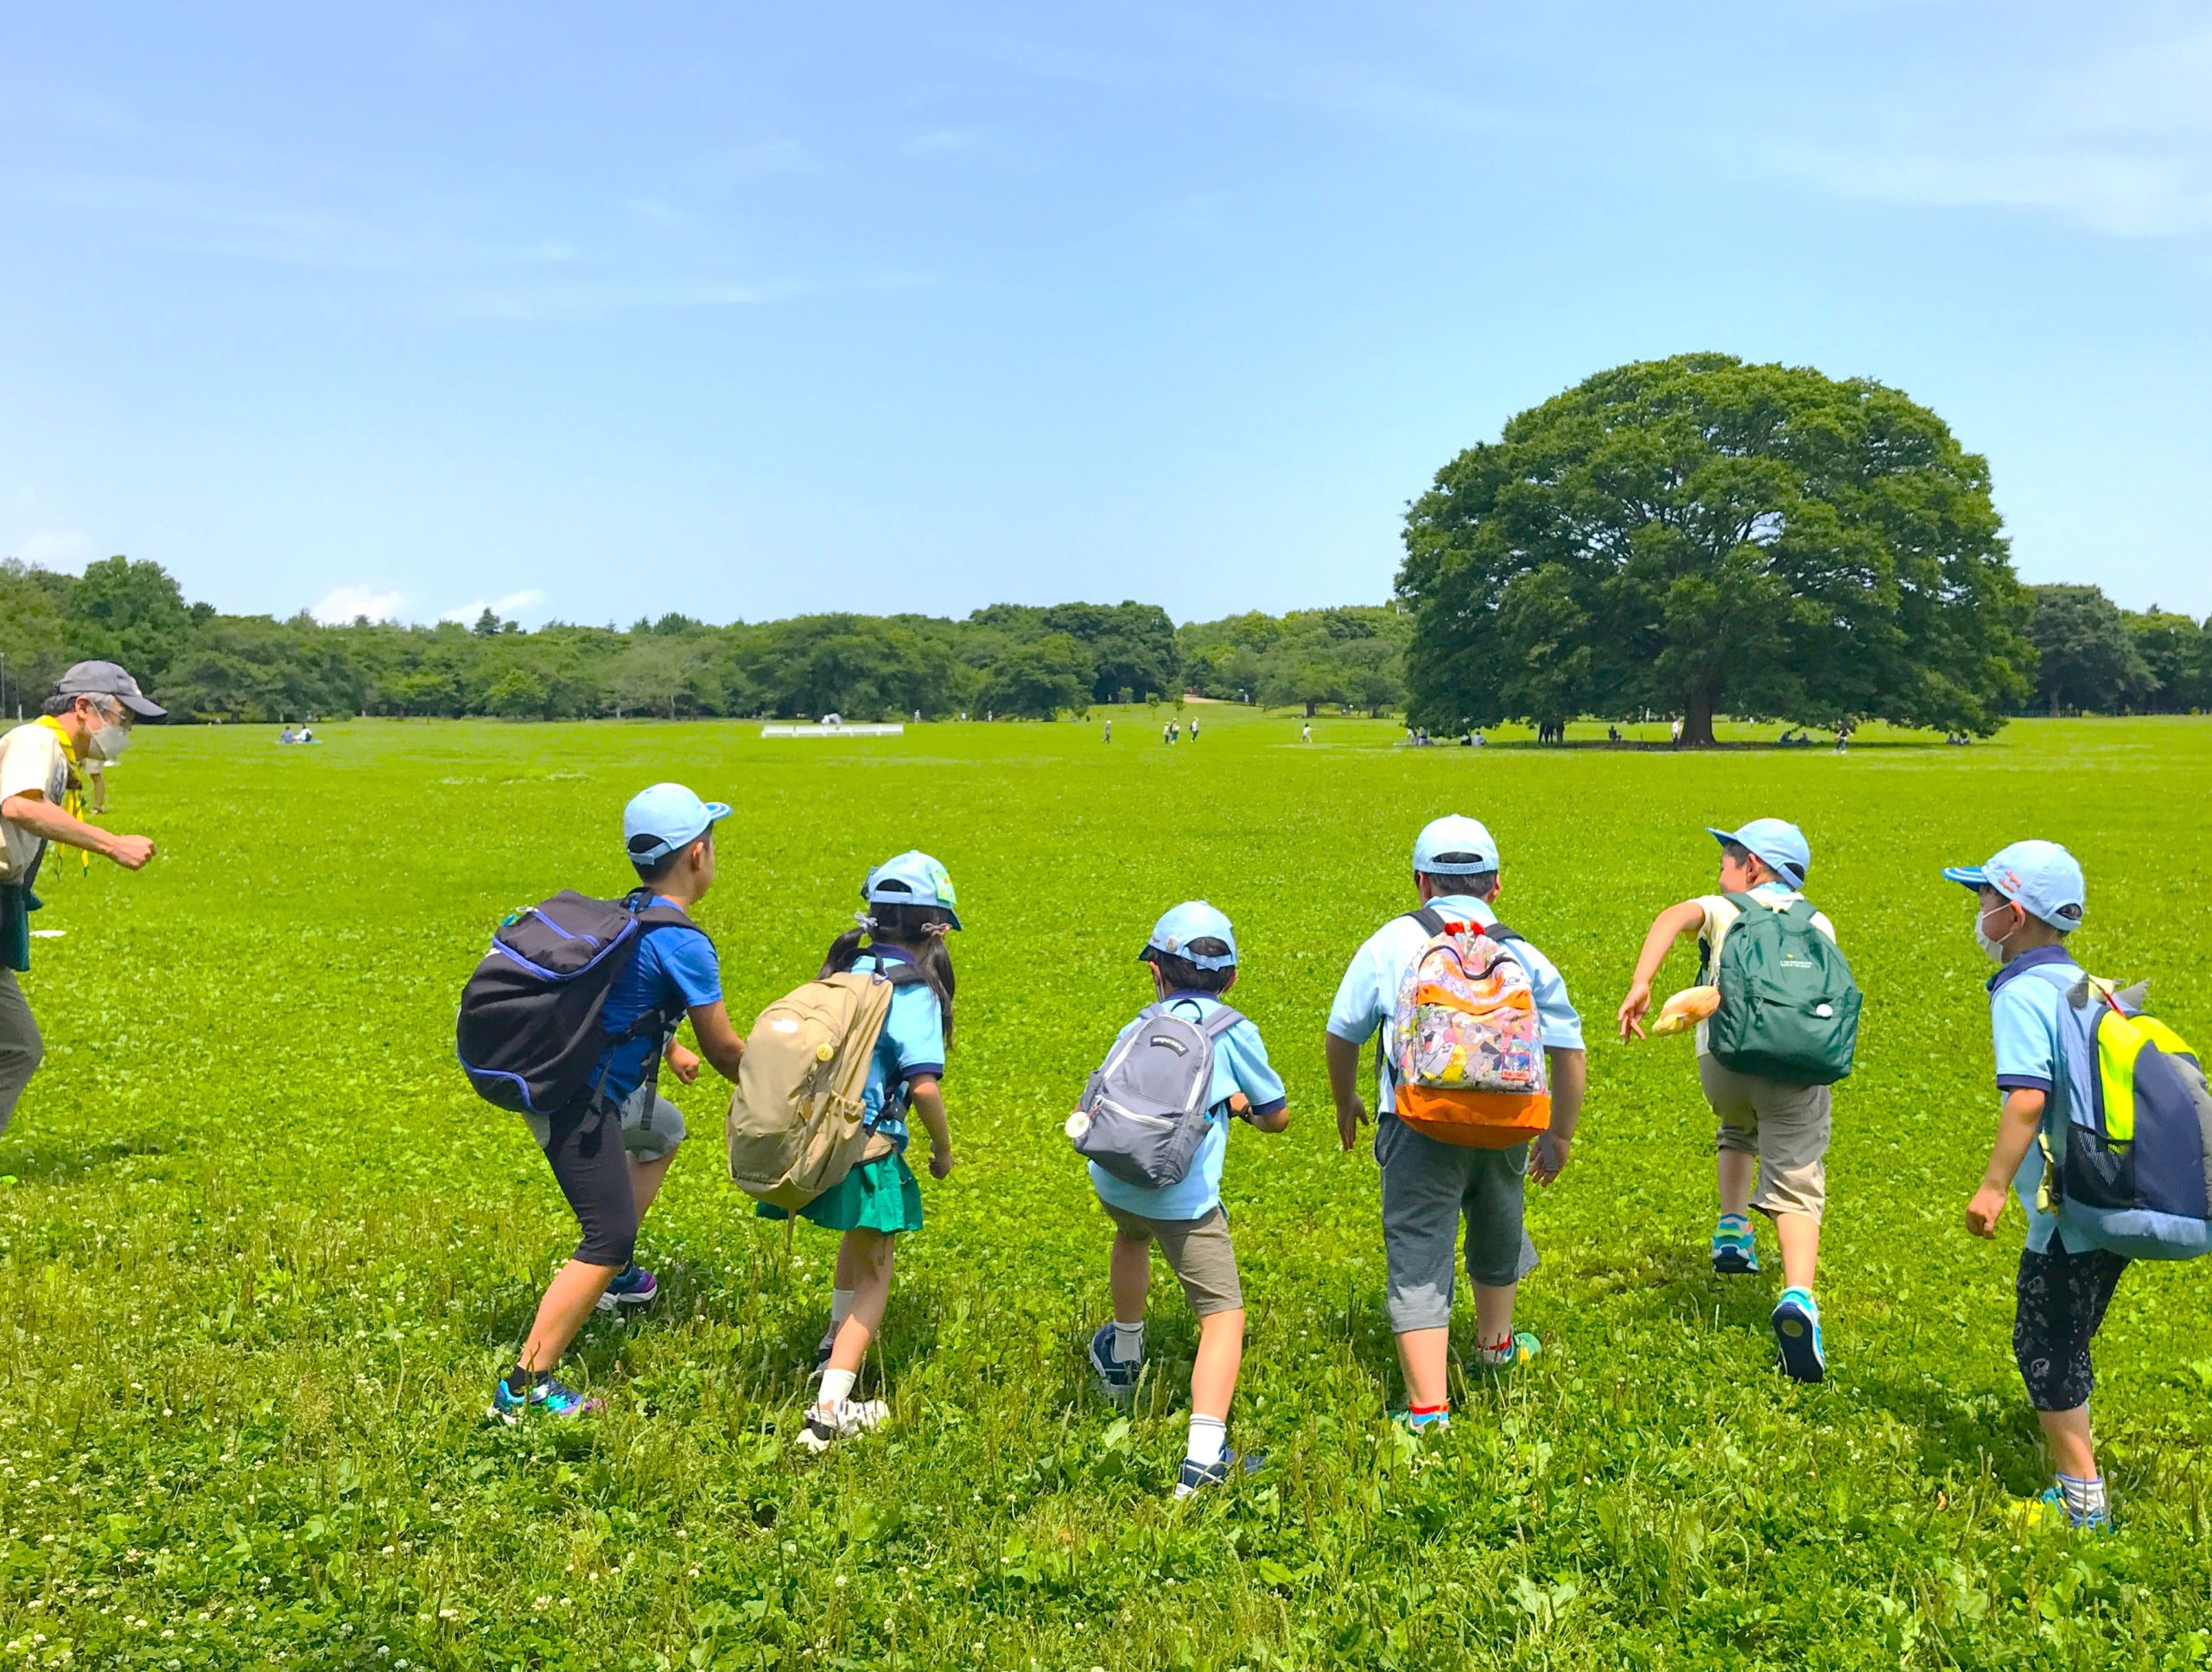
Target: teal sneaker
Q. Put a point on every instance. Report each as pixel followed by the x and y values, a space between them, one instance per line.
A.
pixel 1515 1355
pixel 1428 1423
pixel 1734 1253
pixel 2047 1512
pixel 553 1398
pixel 1797 1323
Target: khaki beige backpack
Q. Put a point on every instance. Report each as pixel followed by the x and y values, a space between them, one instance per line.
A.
pixel 794 1128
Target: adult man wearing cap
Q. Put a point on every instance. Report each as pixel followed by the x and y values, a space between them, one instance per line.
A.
pixel 610 1154
pixel 88 718
pixel 1429 1186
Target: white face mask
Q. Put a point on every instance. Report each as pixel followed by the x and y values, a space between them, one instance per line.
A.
pixel 108 739
pixel 1994 949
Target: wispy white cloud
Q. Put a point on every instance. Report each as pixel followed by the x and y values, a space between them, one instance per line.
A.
pixel 944 139
pixel 590 299
pixel 2114 138
pixel 780 155
pixel 55 548
pixel 343 604
pixel 513 604
pixel 2105 191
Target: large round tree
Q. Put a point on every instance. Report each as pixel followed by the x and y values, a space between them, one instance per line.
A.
pixel 1695 534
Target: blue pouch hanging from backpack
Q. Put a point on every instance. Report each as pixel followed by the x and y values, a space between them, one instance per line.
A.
pixel 2127 1132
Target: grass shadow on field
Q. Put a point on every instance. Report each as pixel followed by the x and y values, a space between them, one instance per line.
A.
pixel 50 1160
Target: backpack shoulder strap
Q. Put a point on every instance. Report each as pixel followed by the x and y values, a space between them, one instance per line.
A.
pixel 1220 1022
pixel 1744 903
pixel 1499 932
pixel 902 975
pixel 1431 920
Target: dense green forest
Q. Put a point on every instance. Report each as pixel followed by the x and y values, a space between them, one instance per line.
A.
pixel 1009 659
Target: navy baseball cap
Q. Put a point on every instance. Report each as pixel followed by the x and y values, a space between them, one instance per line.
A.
pixel 2040 877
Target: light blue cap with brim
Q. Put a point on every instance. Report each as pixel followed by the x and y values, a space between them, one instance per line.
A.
pixel 2040 877
pixel 912 879
pixel 1193 920
pixel 1780 844
pixel 1455 846
pixel 660 820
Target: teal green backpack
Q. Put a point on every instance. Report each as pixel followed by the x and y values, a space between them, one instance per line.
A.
pixel 1789 1007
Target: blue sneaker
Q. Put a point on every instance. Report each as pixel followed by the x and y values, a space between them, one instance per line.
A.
pixel 1196 1476
pixel 633 1285
pixel 1734 1253
pixel 1115 1379
pixel 1797 1323
pixel 553 1397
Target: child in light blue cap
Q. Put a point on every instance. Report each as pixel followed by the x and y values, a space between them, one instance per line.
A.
pixel 1778 1129
pixel 1192 952
pixel 908 907
pixel 2028 899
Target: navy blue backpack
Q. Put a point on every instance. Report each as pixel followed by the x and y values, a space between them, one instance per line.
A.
pixel 529 1033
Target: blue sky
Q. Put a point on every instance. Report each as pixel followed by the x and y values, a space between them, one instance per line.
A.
pixel 600 311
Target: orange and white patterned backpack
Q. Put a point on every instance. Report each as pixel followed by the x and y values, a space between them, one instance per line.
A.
pixel 1467 1055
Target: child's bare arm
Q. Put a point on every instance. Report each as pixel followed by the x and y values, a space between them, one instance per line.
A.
pixel 1669 926
pixel 924 1098
pixel 2016 1131
pixel 1274 1120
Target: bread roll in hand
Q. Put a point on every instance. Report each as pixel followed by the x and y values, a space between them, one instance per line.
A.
pixel 1686 1010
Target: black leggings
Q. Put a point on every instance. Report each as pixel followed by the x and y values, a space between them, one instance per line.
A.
pixel 593 1169
pixel 2062 1299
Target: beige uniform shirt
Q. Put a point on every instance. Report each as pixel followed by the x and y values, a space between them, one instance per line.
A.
pixel 32 762
pixel 1721 912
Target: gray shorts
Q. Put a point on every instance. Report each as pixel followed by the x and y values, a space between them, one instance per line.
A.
pixel 1428 1188
pixel 19 1046
pixel 1785 1126
pixel 651 1126
pixel 1198 1252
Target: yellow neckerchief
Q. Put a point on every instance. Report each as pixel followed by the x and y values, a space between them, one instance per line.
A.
pixel 72 798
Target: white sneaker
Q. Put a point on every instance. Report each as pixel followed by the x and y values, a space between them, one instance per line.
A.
pixel 826 1425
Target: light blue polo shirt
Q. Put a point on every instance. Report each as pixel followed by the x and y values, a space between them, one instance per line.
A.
pixel 2025 1006
pixel 1240 1064
pixel 1368 996
pixel 671 963
pixel 911 1046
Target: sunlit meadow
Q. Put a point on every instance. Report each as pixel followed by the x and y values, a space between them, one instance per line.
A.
pixel 264 1252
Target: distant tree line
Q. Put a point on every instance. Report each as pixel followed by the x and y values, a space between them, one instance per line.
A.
pixel 2093 657
pixel 1009 659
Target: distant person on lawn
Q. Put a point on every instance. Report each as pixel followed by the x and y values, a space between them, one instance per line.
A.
pixel 1768 1127
pixel 1192 952
pixel 1428 1185
pixel 610 1152
pixel 88 718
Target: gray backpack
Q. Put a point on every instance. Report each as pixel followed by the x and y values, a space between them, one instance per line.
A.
pixel 1143 1113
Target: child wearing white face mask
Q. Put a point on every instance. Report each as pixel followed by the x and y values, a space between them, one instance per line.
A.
pixel 2028 899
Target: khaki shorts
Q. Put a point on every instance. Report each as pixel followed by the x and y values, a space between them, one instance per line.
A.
pixel 1785 1126
pixel 1198 1252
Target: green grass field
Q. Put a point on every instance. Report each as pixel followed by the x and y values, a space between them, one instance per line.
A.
pixel 264 1252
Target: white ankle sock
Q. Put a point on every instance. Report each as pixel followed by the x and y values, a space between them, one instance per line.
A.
pixel 1128 1342
pixel 836 1387
pixel 1209 1439
pixel 2082 1497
